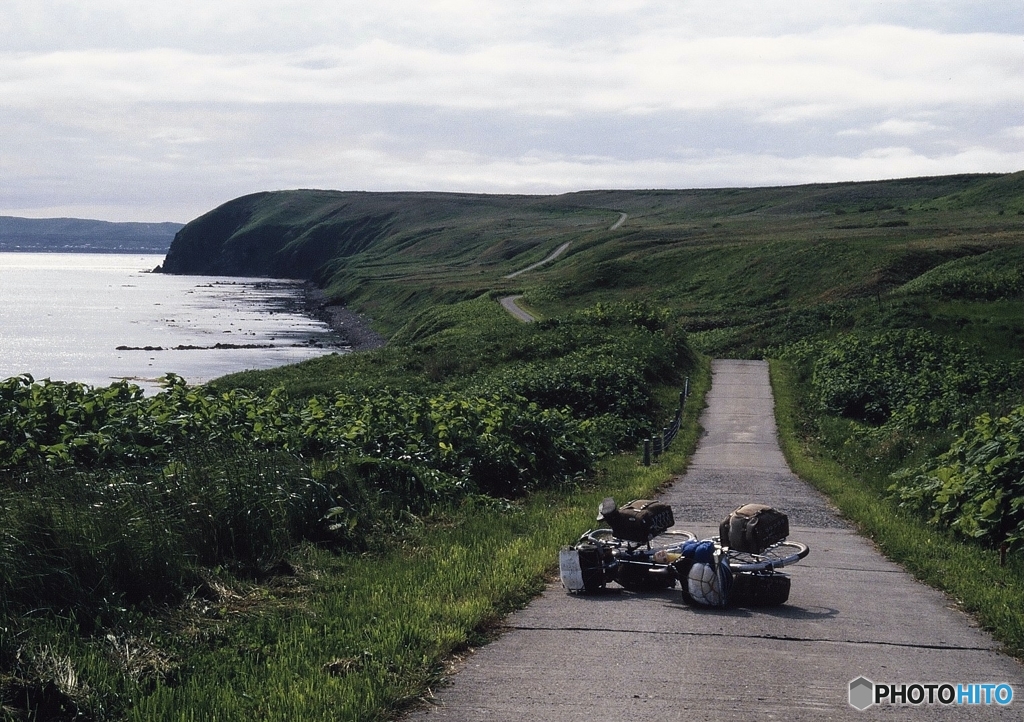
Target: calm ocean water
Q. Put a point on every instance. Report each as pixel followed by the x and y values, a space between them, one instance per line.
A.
pixel 64 315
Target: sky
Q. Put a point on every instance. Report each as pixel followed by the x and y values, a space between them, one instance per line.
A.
pixel 134 110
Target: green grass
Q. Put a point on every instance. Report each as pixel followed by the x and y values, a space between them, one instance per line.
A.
pixel 740 258
pixel 373 632
pixel 971 575
pixel 166 579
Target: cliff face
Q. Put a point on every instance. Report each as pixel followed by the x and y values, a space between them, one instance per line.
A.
pixel 293 234
pixel 285 234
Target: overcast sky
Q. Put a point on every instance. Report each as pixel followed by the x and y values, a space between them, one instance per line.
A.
pixel 142 110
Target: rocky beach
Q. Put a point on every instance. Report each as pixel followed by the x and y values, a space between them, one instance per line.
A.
pixel 353 327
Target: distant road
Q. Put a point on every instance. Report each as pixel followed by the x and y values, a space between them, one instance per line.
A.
pixel 562 249
pixel 554 254
pixel 510 305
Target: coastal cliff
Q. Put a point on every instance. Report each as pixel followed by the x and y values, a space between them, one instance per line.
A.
pixel 286 234
pixel 295 233
pixel 390 255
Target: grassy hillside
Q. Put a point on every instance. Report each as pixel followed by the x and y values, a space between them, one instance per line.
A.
pixel 744 263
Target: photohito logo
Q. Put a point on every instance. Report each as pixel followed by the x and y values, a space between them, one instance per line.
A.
pixel 864 693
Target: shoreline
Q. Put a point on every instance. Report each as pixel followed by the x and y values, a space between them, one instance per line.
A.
pixel 352 326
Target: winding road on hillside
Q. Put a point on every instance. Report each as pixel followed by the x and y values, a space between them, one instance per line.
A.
pixel 562 249
pixel 509 303
pixel 626 656
pixel 554 254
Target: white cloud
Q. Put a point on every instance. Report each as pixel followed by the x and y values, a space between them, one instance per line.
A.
pixel 783 78
pixel 162 106
pixel 549 173
pixel 893 126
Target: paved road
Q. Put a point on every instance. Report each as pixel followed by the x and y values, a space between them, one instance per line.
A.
pixel 552 256
pixel 510 305
pixel 562 249
pixel 624 656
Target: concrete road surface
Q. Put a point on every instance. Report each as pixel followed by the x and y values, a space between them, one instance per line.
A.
pixel 510 305
pixel 851 613
pixel 554 254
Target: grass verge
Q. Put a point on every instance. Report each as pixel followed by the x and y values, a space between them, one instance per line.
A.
pixel 371 634
pixel 972 576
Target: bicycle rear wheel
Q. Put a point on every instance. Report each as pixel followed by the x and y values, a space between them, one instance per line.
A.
pixel 774 557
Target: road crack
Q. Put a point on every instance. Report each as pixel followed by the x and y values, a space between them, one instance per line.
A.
pixel 772 637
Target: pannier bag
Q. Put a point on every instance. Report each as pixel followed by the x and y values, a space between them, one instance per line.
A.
pixel 581 568
pixel 638 521
pixel 753 528
pixel 751 589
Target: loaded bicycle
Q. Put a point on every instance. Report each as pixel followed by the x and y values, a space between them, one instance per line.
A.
pixel 641 552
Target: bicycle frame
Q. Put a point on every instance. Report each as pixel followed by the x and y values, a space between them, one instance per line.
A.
pixel 600 557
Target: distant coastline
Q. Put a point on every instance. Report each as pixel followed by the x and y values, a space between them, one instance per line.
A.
pixel 4 248
pixel 78 235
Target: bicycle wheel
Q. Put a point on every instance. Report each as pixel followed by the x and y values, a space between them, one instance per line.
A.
pixel 606 537
pixel 774 557
pixel 601 537
pixel 677 536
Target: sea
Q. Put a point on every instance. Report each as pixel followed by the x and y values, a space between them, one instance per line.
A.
pixel 100 317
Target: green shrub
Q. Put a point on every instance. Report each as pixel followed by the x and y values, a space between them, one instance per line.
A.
pixel 991 276
pixel 907 378
pixel 975 488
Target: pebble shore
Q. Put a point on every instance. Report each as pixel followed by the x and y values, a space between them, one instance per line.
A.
pixel 353 327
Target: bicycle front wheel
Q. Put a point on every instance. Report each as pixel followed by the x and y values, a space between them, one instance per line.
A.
pixel 674 536
pixel 602 537
pixel 774 557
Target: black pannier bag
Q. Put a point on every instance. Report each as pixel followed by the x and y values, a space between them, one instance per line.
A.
pixel 751 589
pixel 753 528
pixel 638 521
pixel 583 568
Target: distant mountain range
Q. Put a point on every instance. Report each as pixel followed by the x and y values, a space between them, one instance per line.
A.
pixel 77 235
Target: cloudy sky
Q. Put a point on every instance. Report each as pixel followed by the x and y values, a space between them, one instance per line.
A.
pixel 143 110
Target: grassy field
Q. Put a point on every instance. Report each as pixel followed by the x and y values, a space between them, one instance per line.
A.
pixel 312 542
pixel 733 261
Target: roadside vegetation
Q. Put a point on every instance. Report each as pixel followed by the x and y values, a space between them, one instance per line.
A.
pixel 313 542
pixel 313 550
